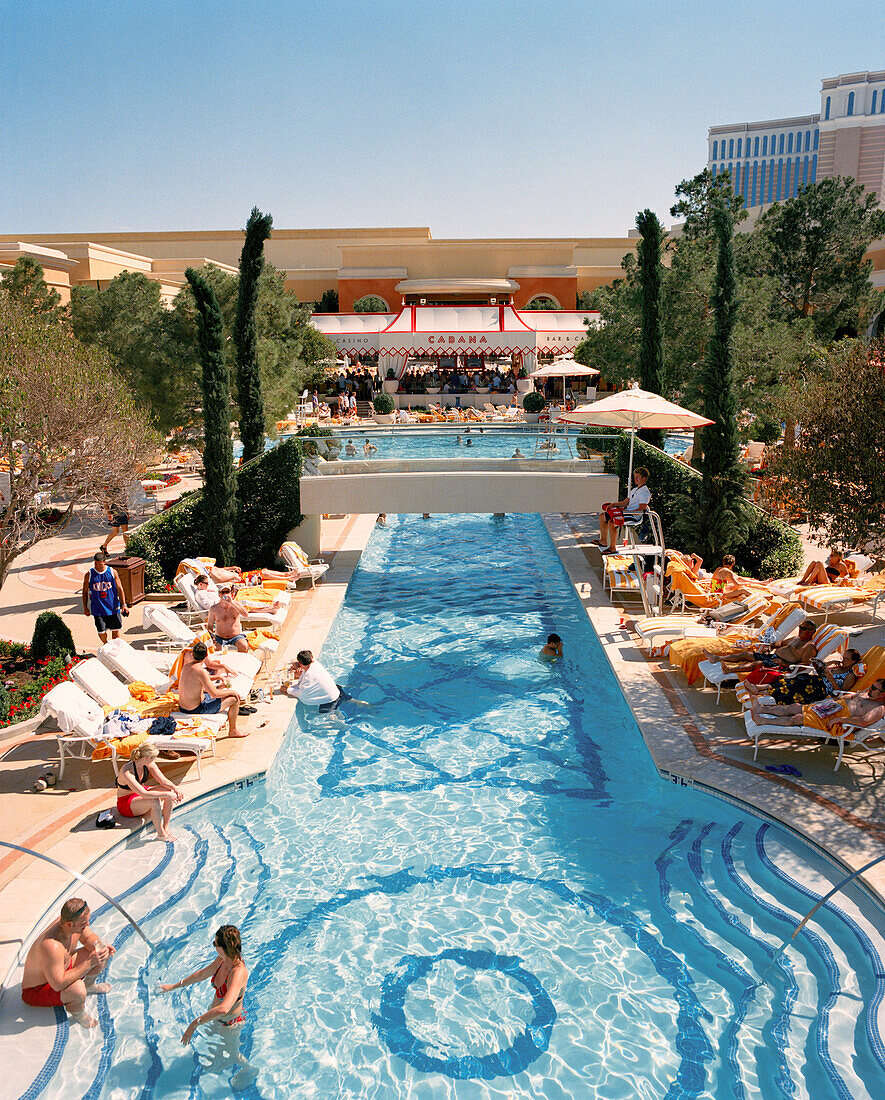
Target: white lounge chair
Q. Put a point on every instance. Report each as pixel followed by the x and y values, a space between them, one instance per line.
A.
pixel 133 664
pixel 97 680
pixel 184 582
pixel 295 558
pixel 81 719
pixel 850 735
pixel 161 617
pixel 198 568
pixel 717 675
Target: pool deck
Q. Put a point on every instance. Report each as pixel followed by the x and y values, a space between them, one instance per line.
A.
pixel 692 741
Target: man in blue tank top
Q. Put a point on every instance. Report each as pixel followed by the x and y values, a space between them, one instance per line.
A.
pixel 103 598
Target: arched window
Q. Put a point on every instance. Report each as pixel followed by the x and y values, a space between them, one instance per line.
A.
pixel 873 104
pixel 796 164
pixel 731 147
pixel 715 149
pixel 816 137
pixel 850 110
pixel 770 181
pixel 756 148
pixel 813 168
pixel 765 146
pixel 740 140
pixel 882 103
pixel 790 143
pixel 778 194
pixel 805 172
pixel 799 141
pixel 780 144
pixel 736 182
pixel 827 109
pixel 807 140
pixel 371 303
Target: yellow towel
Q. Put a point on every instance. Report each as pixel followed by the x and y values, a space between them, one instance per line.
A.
pixel 141 691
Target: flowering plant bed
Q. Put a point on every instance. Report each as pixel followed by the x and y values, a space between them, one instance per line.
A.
pixel 171 479
pixel 24 681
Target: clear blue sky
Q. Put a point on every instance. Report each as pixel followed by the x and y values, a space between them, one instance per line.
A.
pixel 477 118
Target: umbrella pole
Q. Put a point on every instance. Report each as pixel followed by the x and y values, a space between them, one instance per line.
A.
pixel 630 467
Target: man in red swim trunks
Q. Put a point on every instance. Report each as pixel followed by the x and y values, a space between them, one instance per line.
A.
pixel 62 963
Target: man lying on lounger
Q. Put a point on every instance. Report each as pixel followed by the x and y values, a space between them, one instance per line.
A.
pixel 864 709
pixel 799 651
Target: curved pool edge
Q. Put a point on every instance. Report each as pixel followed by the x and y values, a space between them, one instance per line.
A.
pixel 675 756
pixel 682 754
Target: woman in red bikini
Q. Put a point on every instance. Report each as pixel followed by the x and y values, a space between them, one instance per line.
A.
pixel 229 978
pixel 135 799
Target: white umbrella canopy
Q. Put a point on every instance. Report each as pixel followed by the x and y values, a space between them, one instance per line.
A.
pixel 565 366
pixel 634 409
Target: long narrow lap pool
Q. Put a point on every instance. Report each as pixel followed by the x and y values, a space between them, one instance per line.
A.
pixel 480 887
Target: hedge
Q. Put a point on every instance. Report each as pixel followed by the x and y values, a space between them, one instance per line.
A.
pixel 268 507
pixel 773 548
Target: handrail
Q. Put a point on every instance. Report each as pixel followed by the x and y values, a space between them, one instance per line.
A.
pixel 83 879
pixel 822 901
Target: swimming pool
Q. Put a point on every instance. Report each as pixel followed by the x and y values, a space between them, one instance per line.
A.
pixel 480 887
pixel 450 441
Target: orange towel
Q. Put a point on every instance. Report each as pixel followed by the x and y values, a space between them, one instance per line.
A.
pixel 830 724
pixel 687 653
pixel 141 691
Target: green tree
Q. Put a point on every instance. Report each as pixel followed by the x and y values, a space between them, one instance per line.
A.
pixel 68 425
pixel 834 473
pixel 25 284
pixel 583 300
pixel 651 343
pixel 371 303
pixel 219 483
pixel 329 302
pixel 249 396
pixel 128 319
pixel 716 520
pixel 542 304
pixel 813 247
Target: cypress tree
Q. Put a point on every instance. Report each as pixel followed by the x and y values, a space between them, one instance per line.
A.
pixel 219 485
pixel 719 519
pixel 251 403
pixel 651 348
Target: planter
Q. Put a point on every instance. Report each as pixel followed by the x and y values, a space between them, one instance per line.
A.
pixel 524 385
pixel 384 418
pixel 531 418
pixel 390 385
pixel 434 389
pixel 483 389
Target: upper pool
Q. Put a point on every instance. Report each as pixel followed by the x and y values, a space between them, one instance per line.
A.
pixel 479 887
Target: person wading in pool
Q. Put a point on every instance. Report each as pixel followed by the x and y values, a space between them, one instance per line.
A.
pixel 229 977
pixel 62 964
pixel 315 687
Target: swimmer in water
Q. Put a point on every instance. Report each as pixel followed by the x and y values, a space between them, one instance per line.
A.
pixel 229 977
pixel 382 519
pixel 350 450
pixel 369 448
pixel 553 649
pixel 457 440
pixel 518 454
pixel 468 443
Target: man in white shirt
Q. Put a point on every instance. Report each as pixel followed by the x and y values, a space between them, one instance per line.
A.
pixel 613 516
pixel 315 687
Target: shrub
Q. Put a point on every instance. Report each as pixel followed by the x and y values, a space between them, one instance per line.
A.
pixel 51 637
pixel 772 547
pixel 533 402
pixel 5 703
pixel 383 404
pixel 764 429
pixel 268 507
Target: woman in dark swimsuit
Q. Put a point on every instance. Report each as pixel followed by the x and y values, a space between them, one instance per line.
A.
pixel 134 799
pixel 229 978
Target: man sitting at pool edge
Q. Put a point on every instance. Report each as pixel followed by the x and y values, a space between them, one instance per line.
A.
pixel 62 964
pixel 315 687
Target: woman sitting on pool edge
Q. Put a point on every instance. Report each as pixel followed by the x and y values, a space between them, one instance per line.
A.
pixel 134 799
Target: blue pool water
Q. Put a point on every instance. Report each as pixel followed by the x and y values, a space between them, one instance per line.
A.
pixel 480 887
pixel 442 442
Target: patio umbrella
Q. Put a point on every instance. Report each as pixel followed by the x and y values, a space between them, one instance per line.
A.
pixel 566 366
pixel 633 409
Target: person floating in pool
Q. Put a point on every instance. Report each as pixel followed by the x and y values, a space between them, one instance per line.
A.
pixel 229 977
pixel 350 450
pixel 457 440
pixel 314 686
pixel 552 651
pixel 369 448
pixel 63 962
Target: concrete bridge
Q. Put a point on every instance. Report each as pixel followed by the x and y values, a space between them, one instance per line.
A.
pixel 442 485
